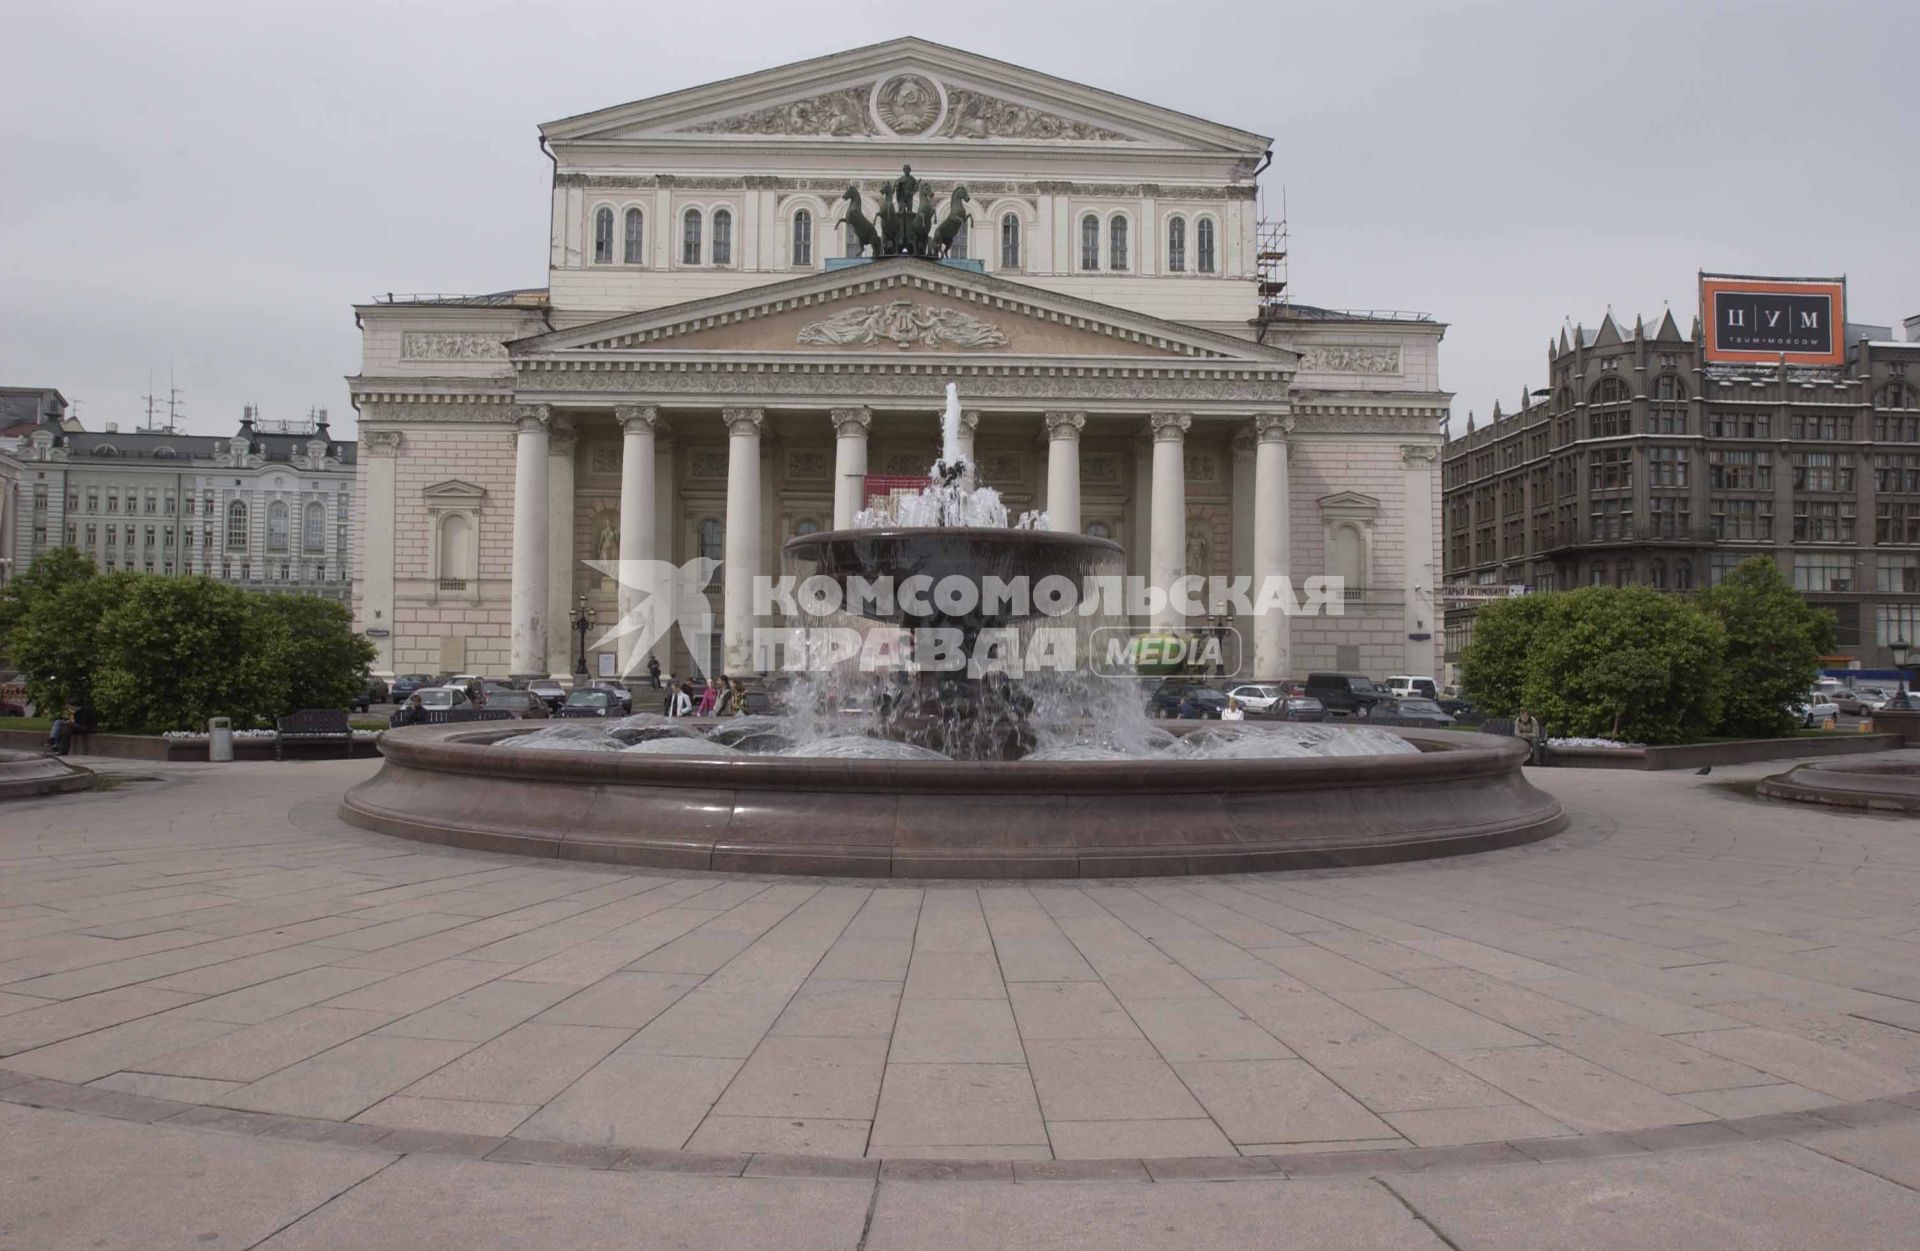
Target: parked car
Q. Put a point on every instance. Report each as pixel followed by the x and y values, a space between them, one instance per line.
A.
pixel 590 701
pixel 372 691
pixel 1425 711
pixel 1164 699
pixel 1301 708
pixel 518 705
pixel 1405 685
pixel 1258 698
pixel 549 691
pixel 1862 700
pixel 1201 703
pixel 444 698
pixel 1344 694
pixel 407 683
pixel 1814 708
pixel 616 688
pixel 1460 710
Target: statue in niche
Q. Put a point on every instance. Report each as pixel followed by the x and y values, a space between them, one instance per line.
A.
pixel 1199 548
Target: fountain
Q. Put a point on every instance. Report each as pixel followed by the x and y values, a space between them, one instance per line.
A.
pixel 920 739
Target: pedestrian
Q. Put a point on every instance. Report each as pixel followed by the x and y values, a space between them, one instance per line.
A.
pixel 1525 727
pixel 60 733
pixel 673 692
pixel 477 693
pixel 737 690
pixel 1233 711
pixel 708 695
pixel 413 712
pixel 682 705
pixel 653 672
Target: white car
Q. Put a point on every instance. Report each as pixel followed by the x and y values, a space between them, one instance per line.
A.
pixel 443 698
pixel 1256 697
pixel 1413 686
pixel 1815 709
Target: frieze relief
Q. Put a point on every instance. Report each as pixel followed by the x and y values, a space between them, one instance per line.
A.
pixel 1099 471
pixel 808 463
pixel 1344 358
pixel 428 345
pixel 975 115
pixel 838 113
pixel 603 460
pixel 1000 467
pixel 1202 467
pixel 710 463
pixel 713 384
pixel 904 324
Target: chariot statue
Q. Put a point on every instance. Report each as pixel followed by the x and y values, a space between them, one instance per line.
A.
pixel 906 221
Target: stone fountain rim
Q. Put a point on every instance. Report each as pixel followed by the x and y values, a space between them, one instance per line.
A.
pixel 999 534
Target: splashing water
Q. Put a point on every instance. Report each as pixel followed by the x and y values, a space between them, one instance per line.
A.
pixel 952 497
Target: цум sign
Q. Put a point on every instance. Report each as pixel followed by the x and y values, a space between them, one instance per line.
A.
pixel 1763 319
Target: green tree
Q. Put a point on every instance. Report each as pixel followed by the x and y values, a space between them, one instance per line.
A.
pixel 1493 671
pixel 1774 643
pixel 176 651
pixel 323 660
pixel 1627 663
pixel 55 639
pixel 50 573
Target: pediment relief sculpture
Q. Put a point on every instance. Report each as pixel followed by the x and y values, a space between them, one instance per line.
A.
pixel 911 105
pixel 905 324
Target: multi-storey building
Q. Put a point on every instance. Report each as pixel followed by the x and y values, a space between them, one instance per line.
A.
pixel 1642 464
pixel 267 509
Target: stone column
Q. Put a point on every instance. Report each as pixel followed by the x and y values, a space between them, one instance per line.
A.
pixel 1063 470
pixel 527 646
pixel 560 526
pixel 638 516
pixel 376 545
pixel 1273 629
pixel 969 426
pixel 1421 560
pixel 850 427
pixel 742 555
pixel 1167 553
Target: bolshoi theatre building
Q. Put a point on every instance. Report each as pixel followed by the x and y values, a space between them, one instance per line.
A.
pixel 717 363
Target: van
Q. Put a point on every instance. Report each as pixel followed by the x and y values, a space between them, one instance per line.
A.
pixel 1407 686
pixel 1344 694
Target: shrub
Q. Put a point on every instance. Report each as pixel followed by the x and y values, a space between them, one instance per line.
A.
pixel 1493 672
pixel 1626 663
pixel 176 651
pixel 1774 643
pixel 323 660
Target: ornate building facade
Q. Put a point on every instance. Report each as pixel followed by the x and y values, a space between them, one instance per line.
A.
pixel 710 369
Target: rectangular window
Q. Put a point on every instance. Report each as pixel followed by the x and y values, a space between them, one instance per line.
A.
pixel 1896 623
pixel 113 501
pixel 1728 425
pixel 40 497
pixel 1899 575
pixel 1669 516
pixel 1823 471
pixel 93 500
pixel 1820 571
pixel 1896 473
pixel 1896 522
pixel 1823 521
pixel 1667 466
pixel 1896 429
pixel 1748 520
pixel 1826 426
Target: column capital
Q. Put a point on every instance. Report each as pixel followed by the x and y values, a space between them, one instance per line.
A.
pixel 1065 425
pixel 851 423
pixel 1169 427
pixel 381 442
pixel 1419 455
pixel 530 418
pixel 640 418
pixel 743 420
pixel 1272 427
pixel 561 437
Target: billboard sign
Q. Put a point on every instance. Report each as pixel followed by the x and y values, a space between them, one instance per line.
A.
pixel 1763 319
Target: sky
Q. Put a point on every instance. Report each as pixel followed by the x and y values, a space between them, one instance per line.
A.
pixel 203 190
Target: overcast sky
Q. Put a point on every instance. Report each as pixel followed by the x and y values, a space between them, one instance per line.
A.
pixel 209 187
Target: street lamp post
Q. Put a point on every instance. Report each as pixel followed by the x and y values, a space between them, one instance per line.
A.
pixel 1900 647
pixel 582 618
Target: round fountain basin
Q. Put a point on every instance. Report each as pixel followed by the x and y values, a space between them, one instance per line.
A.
pixel 467 786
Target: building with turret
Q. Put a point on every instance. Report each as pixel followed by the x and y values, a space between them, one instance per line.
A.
pixel 1643 462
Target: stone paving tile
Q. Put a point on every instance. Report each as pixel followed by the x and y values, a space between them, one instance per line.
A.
pixel 1756 1100
pixel 701 1023
pixel 345 1081
pixel 1573 1091
pixel 1442 1127
pixel 956 1031
pixel 954 975
pixel 1107 1080
pixel 249 1053
pixel 163 1086
pixel 1149 1139
pixel 1889 1151
pixel 1277 1101
pixel 955 1106
pixel 1826 1069
pixel 629 1000
pixel 1430 1021
pixel 1666 1064
pixel 36 1027
pixel 418 989
pixel 1327 970
pixel 1046 1010
pixel 452 1116
pixel 810 1136
pixel 484 1012
pixel 530 1063
pixel 267 1000
pixel 123 1046
pixel 635 1100
pixel 1204 1029
pixel 830 1078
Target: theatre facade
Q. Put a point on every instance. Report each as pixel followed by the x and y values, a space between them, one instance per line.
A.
pixel 714 366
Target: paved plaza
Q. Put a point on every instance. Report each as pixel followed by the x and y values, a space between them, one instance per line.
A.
pixel 229 1020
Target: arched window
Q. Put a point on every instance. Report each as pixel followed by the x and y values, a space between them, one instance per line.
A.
pixel 277 526
pixel 1669 387
pixel 806 525
pixel 803 238
pixel 1657 575
pixel 603 236
pixel 313 530
pixel 106 449
pixel 1099 530
pixel 636 238
pixel 1010 241
pixel 690 238
pixel 1683 576
pixel 1608 391
pixel 1203 241
pixel 1117 244
pixel 1177 245
pixel 722 237
pixel 236 527
pixel 1623 573
pixel 713 538
pixel 1090 242
pixel 456 552
pixel 1347 558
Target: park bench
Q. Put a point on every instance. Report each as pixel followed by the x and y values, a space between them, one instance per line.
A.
pixel 455 716
pixel 313 725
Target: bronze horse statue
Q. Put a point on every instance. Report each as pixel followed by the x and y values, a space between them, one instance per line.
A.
pixel 862 231
pixel 919 242
pixel 954 222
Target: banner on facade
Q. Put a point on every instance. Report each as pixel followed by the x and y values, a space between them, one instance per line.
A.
pixel 1761 320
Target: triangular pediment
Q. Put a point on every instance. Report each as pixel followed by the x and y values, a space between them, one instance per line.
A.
pixel 453 491
pixel 904 91
pixel 1348 505
pixel 900 306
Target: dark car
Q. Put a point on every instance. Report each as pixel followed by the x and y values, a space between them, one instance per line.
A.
pixel 590 702
pixel 1344 694
pixel 518 705
pixel 1460 710
pixel 621 695
pixel 1202 703
pixel 407 683
pixel 374 691
pixel 1165 699
pixel 1424 711
pixel 549 690
pixel 1299 708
